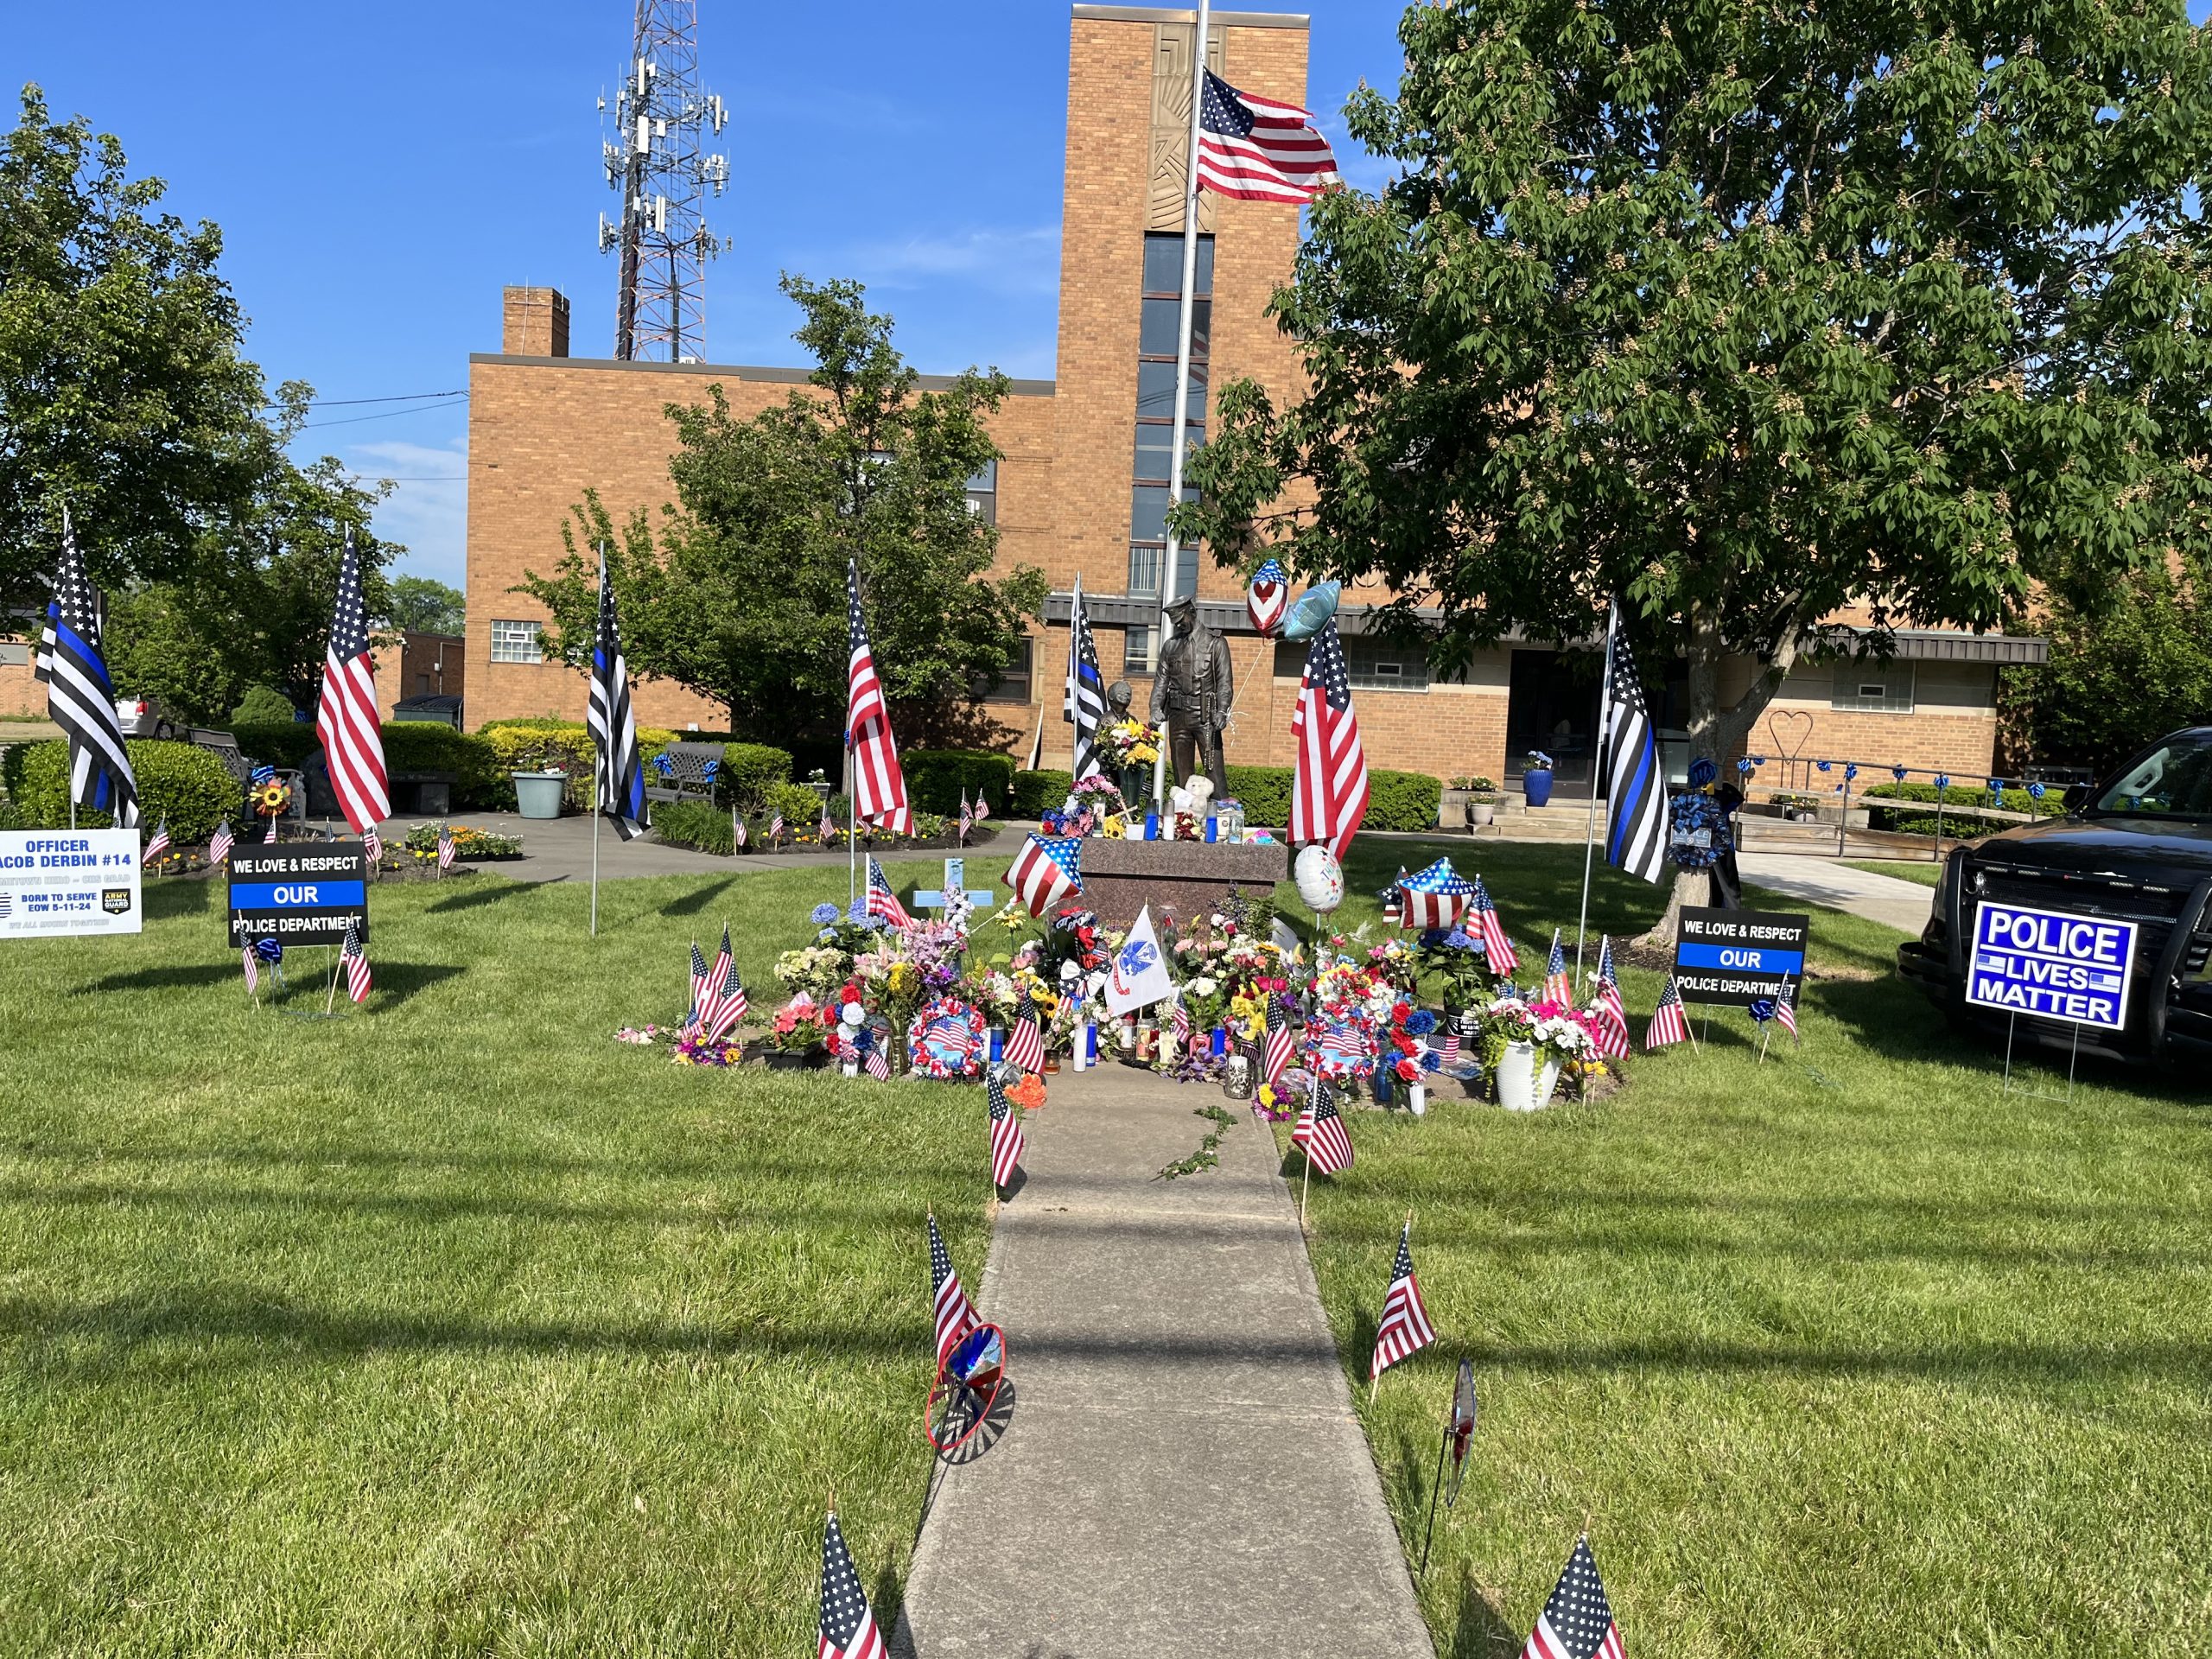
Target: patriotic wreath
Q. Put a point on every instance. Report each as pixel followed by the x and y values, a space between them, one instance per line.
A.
pixel 946 1040
pixel 1340 1041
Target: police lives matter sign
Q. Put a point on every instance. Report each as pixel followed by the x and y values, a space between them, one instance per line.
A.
pixel 1733 955
pixel 301 894
pixel 2048 964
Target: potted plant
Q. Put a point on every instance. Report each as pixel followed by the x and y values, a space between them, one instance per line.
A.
pixel 1482 801
pixel 1536 778
pixel 541 781
pixel 1524 1046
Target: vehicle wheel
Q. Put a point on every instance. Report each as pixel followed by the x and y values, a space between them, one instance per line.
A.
pixel 164 730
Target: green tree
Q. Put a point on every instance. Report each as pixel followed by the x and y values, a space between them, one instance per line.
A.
pixel 424 605
pixel 739 594
pixel 2121 674
pixel 125 392
pixel 159 646
pixel 1747 316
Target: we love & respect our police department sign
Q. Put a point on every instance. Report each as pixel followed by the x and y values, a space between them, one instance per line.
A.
pixel 2052 965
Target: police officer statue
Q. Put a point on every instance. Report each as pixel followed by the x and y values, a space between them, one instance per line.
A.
pixel 1192 693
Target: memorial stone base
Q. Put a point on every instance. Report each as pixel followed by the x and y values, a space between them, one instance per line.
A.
pixel 1188 878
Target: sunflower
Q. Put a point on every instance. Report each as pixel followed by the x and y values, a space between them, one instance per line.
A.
pixel 270 799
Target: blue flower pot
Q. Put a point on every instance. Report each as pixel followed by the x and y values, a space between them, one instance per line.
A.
pixel 1537 783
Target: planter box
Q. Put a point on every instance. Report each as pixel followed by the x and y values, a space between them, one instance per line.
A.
pixel 539 794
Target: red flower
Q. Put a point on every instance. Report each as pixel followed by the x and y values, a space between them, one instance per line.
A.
pixel 1409 1070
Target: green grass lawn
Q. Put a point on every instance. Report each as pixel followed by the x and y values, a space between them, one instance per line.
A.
pixel 453 1326
pixel 1922 872
pixel 1843 1355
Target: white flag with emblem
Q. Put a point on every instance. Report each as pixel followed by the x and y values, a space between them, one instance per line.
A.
pixel 1138 975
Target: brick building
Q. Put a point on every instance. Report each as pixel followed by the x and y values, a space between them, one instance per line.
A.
pixel 1082 484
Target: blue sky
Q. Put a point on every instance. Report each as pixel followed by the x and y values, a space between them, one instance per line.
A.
pixel 380 171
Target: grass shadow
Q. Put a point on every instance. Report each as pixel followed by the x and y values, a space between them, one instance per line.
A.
pixel 182 975
pixel 691 903
pixel 398 980
pixel 1479 1630
pixel 166 897
pixel 476 897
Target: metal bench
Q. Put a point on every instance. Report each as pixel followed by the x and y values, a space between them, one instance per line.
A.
pixel 685 771
pixel 225 747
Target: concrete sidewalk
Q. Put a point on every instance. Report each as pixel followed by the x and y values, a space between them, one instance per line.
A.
pixel 1181 1472
pixel 1824 881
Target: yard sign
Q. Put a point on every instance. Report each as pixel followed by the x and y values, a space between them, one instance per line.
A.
pixel 2052 965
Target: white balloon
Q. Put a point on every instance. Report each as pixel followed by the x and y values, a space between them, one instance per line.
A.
pixel 1320 880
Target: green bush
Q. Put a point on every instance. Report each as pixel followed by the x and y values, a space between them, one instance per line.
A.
pixel 694 823
pixel 283 744
pixel 2017 799
pixel 801 807
pixel 1395 800
pixel 935 778
pixel 749 770
pixel 1033 792
pixel 263 705
pixel 186 785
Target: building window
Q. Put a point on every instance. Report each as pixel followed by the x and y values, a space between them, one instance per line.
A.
pixel 983 492
pixel 1376 665
pixel 1160 324
pixel 1136 653
pixel 1876 688
pixel 516 642
pixel 1013 686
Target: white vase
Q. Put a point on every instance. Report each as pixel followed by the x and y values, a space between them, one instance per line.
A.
pixel 1417 1099
pixel 1522 1087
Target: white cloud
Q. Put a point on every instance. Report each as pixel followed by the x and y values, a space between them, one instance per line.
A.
pixel 428 508
pixel 997 261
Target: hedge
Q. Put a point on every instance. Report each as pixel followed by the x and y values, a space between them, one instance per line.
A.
pixel 1395 800
pixel 2052 805
pixel 1032 792
pixel 935 778
pixel 176 781
pixel 284 746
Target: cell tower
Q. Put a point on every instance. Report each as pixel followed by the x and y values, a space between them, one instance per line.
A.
pixel 659 162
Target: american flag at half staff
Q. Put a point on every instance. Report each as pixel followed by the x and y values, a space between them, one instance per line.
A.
pixel 848 1628
pixel 1329 789
pixel 1404 1330
pixel 1576 1622
pixel 879 786
pixel 955 1314
pixel 1006 1144
pixel 1256 149
pixel 346 719
pixel 79 694
pixel 619 777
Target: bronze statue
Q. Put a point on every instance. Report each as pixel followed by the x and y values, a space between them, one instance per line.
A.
pixel 1193 692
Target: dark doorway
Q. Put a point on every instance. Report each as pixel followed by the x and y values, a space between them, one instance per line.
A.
pixel 1552 705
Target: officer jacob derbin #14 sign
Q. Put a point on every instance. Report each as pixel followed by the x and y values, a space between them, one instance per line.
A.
pixel 55 882
pixel 2051 965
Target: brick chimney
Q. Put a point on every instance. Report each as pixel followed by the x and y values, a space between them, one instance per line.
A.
pixel 534 322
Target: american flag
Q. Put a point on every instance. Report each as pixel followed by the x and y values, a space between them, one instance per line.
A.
pixel 1257 149
pixel 879 786
pixel 446 848
pixel 356 959
pixel 1785 1010
pixel 252 970
pixel 271 834
pixel 618 776
pixel 1006 1133
pixel 956 1318
pixel 1328 796
pixel 737 830
pixel 158 845
pixel 728 999
pixel 219 848
pixel 982 807
pixel 1576 1623
pixel 79 696
pixel 1669 1022
pixel 1611 1012
pixel 1046 870
pixel 1319 1132
pixel 1405 1330
pixel 346 719
pixel 847 1629
pixel 1025 1043
pixel 1436 897
pixel 776 827
pixel 1498 950
pixel 1450 1053
pixel 701 978
pixel 881 901
pixel 1559 984
pixel 1338 1048
pixel 1636 788
pixel 1179 1023
pixel 877 1061
pixel 1083 701
pixel 1275 1056
pixel 827 829
pixel 967 818
pixel 372 844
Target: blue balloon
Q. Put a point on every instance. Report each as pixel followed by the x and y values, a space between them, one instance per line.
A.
pixel 1314 607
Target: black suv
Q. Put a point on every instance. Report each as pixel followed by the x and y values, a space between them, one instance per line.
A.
pixel 2138 848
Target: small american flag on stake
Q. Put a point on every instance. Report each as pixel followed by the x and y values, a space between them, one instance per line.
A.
pixel 1275 1057
pixel 776 827
pixel 877 1061
pixel 1785 1010
pixel 1046 870
pixel 446 848
pixel 219 848
pixel 252 971
pixel 1498 950
pixel 847 1627
pixel 1319 1132
pixel 372 845
pixel 271 834
pixel 982 807
pixel 827 829
pixel 1405 1330
pixel 158 845
pixel 1559 984
pixel 1025 1042
pixel 881 901
pixel 1576 1623
pixel 1669 1024
pixel 1612 1013
pixel 356 959
pixel 1006 1132
pixel 956 1316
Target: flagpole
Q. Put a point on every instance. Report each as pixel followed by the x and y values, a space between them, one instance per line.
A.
pixel 852 846
pixel 595 816
pixel 1596 769
pixel 1182 364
